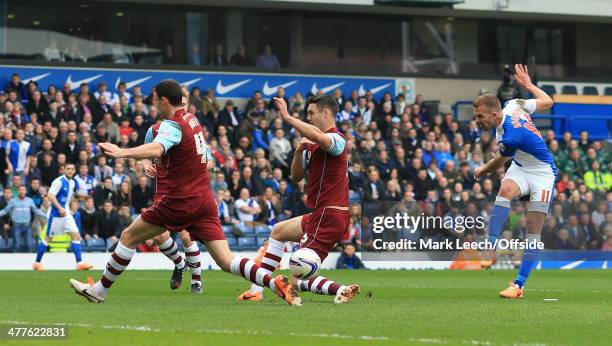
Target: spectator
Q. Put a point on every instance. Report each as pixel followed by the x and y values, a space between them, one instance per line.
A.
pixel 104 192
pixel 218 57
pixel 16 85
pixel 52 53
pixel 142 195
pixel 148 246
pixel 596 180
pixel 348 259
pixel 247 208
pixel 240 58
pixel 20 209
pixel 86 183
pixel 267 59
pixel 107 224
pixel 210 107
pixel 280 148
pixel 195 58
pixel 17 152
pixel 88 219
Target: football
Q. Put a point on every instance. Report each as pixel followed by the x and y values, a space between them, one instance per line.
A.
pixel 304 264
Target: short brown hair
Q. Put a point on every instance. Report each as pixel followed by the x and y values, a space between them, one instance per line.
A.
pixel 488 100
pixel 325 101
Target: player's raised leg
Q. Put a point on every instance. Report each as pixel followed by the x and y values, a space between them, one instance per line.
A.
pixel 136 233
pixel 192 257
pixel 325 286
pixel 248 269
pixel 288 230
pixel 168 247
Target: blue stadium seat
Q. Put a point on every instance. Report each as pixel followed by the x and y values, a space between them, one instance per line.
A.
pixel 262 230
pixel 589 90
pixel 232 242
pixel 261 240
pixel 4 245
pixel 247 230
pixel 227 229
pixel 179 244
pixel 549 89
pixel 202 247
pixel 608 91
pixel 247 243
pixel 569 90
pixel 96 245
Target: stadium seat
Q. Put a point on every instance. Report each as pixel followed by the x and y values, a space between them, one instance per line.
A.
pixel 202 247
pixel 96 245
pixel 227 229
pixel 83 244
pixel 262 230
pixel 232 242
pixel 247 230
pixel 261 240
pixel 4 245
pixel 247 243
pixel 608 91
pixel 589 90
pixel 549 89
pixel 179 244
pixel 569 90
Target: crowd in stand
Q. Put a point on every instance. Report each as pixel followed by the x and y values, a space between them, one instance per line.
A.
pixel 398 151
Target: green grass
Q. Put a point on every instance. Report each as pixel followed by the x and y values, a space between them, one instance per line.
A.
pixel 405 307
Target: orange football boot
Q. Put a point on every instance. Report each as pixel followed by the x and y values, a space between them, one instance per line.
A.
pixel 252 296
pixel 38 267
pixel 346 294
pixel 512 292
pixel 83 266
pixel 287 291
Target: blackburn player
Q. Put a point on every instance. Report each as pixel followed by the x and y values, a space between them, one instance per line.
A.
pixel 60 220
pixel 532 171
pixel 321 157
pixel 187 204
pixel 164 241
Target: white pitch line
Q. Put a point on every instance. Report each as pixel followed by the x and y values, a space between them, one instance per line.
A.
pixel 251 332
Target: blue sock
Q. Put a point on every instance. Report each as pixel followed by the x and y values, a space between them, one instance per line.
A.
pixel 76 248
pixel 499 215
pixel 40 251
pixel 529 258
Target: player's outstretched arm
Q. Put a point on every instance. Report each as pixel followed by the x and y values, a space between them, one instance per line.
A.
pixel 543 101
pixel 145 151
pixel 311 132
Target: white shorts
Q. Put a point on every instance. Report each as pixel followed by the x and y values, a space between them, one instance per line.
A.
pixel 538 184
pixel 61 225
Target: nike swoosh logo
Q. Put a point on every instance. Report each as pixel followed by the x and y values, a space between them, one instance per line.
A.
pixel 76 84
pixel 362 91
pixel 268 90
pixel 189 82
pixel 129 85
pixel 224 89
pixel 314 90
pixel 36 78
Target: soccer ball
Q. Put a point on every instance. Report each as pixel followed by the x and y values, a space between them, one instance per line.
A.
pixel 304 264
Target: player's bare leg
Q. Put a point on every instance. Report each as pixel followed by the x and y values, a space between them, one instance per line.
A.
pixel 322 285
pixel 248 269
pixel 508 191
pixel 137 232
pixel 291 230
pixel 288 230
pixel 192 257
pixel 535 222
pixel 168 247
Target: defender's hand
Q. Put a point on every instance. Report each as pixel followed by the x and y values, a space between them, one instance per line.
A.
pixel 522 76
pixel 111 150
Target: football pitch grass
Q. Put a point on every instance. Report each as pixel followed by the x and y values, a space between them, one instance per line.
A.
pixel 394 308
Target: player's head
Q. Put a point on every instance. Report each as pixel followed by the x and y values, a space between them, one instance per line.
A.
pixel 487 111
pixel 69 170
pixel 168 96
pixel 322 111
pixel 185 99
